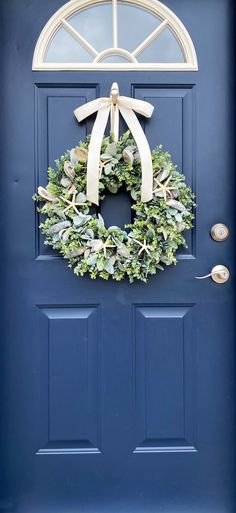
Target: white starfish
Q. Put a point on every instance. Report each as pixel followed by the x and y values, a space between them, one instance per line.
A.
pixel 71 203
pixel 144 246
pixel 105 245
pixel 163 187
pixel 102 164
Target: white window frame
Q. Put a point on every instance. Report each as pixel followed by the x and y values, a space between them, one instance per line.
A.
pixel 74 6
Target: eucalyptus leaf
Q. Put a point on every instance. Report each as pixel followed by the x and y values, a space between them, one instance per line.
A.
pixel 113 188
pixel 78 220
pixel 173 244
pixel 107 169
pixel 109 267
pixel 55 237
pixel 101 220
pixel 178 218
pixel 100 264
pixel 150 233
pixel 81 198
pixel 92 259
pixel 111 149
pixel 172 211
pixel 113 228
pixel 133 194
pixel 165 260
pixel 105 156
pixel 90 233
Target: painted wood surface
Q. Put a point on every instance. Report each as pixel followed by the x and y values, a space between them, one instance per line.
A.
pixel 117 398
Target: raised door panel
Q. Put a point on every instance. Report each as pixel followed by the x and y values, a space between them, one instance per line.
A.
pixel 164 348
pixel 56 132
pixel 173 126
pixel 69 380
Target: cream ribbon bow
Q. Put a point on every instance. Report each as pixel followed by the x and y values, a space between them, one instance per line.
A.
pixel 111 106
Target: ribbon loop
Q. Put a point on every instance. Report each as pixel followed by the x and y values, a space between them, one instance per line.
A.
pixel 112 106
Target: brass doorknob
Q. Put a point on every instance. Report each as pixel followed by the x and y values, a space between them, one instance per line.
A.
pixel 219 274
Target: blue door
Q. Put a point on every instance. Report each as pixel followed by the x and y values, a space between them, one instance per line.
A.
pixel 117 398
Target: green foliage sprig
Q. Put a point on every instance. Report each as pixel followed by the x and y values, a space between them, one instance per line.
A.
pixel 139 249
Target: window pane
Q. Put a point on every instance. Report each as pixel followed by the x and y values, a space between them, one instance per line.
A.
pixel 64 48
pixel 165 48
pixel 134 25
pixel 95 25
pixel 115 58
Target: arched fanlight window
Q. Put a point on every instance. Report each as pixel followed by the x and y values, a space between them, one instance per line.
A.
pixel 115 34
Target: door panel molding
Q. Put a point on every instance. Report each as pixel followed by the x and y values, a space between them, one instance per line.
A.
pixel 69 380
pixel 164 350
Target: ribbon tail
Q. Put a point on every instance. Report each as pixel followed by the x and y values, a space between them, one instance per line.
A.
pixel 94 154
pixel 115 121
pixel 144 151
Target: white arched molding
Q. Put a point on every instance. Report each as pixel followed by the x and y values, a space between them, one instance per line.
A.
pixel 169 19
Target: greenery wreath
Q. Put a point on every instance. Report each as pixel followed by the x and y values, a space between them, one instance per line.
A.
pixel 140 248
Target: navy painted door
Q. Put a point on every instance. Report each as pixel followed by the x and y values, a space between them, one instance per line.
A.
pixel 115 397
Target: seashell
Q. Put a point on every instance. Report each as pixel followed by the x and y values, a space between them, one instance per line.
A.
pixel 56 228
pixel 73 158
pixel 64 233
pixel 76 252
pixel 81 154
pixel 66 182
pixel 175 193
pixel 128 156
pixel 176 204
pixel 72 189
pixel 163 174
pixel 46 195
pixel 96 244
pixel 123 251
pixel 53 207
pixel 69 171
pixel 180 227
pixel 87 253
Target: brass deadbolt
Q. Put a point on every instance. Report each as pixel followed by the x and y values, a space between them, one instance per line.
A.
pixel 219 232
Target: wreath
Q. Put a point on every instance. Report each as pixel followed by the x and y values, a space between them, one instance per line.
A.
pixel 138 249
